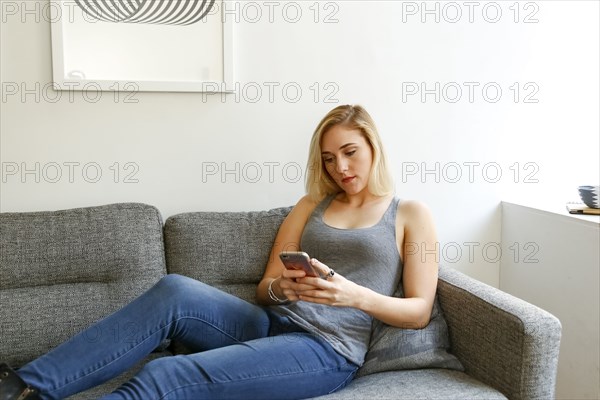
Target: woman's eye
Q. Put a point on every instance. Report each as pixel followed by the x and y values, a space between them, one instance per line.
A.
pixel 351 153
pixel 328 160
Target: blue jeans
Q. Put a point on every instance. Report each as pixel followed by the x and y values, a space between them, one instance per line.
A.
pixel 240 351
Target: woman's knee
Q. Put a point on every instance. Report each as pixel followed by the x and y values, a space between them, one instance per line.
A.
pixel 183 292
pixel 173 285
pixel 175 280
pixel 186 297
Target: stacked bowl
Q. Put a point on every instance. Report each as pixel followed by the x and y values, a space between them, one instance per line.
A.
pixel 590 195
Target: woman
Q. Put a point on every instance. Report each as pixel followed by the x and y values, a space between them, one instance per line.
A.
pixel 309 335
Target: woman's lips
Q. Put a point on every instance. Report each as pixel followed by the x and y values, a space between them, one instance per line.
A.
pixel 348 179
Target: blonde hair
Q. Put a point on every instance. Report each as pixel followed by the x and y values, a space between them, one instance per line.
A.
pixel 318 181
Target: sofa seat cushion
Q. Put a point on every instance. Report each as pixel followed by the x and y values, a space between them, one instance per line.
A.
pixel 434 384
pixel 60 271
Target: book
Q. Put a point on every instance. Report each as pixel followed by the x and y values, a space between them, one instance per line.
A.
pixel 580 208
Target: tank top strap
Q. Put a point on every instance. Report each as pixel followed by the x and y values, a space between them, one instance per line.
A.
pixel 323 204
pixel 389 218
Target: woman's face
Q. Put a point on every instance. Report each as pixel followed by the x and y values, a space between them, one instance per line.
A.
pixel 347 157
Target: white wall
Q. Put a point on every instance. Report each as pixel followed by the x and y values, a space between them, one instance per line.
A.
pixel 372 54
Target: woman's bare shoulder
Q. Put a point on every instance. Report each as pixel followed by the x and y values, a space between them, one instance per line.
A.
pixel 303 208
pixel 413 212
pixel 292 227
pixel 410 206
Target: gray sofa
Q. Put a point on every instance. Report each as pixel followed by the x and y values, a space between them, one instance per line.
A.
pixel 62 270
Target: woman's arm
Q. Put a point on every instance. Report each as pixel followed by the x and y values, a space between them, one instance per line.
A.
pixel 288 238
pixel 419 249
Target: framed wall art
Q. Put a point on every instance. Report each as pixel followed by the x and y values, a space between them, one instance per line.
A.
pixel 142 45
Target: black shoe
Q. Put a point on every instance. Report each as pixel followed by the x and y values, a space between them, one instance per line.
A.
pixel 12 387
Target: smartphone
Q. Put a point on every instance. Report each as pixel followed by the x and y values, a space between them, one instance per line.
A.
pixel 298 260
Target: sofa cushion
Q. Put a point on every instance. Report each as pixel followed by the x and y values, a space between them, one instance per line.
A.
pixel 62 270
pixel 434 384
pixel 393 348
pixel 227 250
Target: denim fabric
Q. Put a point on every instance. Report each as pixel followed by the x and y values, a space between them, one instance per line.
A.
pixel 241 351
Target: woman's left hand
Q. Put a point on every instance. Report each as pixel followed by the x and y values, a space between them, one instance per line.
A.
pixel 334 291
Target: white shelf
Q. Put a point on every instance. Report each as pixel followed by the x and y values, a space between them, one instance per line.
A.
pixel 555 207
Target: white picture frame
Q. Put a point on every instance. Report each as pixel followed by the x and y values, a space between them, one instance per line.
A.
pixel 91 52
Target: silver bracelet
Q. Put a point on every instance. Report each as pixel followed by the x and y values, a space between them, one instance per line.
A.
pixel 272 294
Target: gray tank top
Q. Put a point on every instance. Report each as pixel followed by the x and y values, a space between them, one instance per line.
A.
pixel 366 256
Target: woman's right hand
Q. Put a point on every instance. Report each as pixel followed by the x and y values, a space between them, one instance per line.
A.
pixel 288 285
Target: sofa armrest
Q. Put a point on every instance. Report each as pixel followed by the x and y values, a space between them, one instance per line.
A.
pixel 501 340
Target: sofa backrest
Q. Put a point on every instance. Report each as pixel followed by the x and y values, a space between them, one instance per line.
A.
pixel 62 270
pixel 228 250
